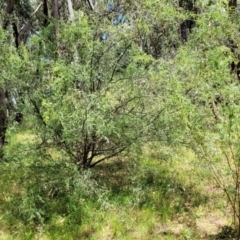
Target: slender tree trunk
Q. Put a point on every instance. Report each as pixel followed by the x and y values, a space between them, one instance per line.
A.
pixel 3 118
pixel 92 5
pixel 70 9
pixel 187 25
pixel 45 12
pixel 9 10
pixel 183 26
pixel 183 31
pixel 232 3
pixel 16 35
pixel 3 105
pixel 55 9
pixel 10 6
pixel 235 66
pixel 55 15
pixel 71 18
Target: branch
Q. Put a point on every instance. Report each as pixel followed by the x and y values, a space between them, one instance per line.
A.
pixel 91 5
pixel 215 111
pixel 37 9
pixel 119 59
pixel 37 110
pixel 107 157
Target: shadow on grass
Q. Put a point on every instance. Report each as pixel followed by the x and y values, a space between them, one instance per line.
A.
pixel 147 187
pixel 226 233
pixel 127 184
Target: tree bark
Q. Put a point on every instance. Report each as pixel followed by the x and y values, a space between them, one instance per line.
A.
pixel 92 5
pixel 187 25
pixel 9 10
pixel 70 9
pixel 55 15
pixel 235 66
pixel 10 6
pixel 3 118
pixel 232 3
pixel 183 31
pixel 3 105
pixel 55 9
pixel 45 12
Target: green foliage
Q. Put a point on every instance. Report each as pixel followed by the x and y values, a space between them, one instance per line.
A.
pixel 88 100
pixel 203 66
pixel 55 189
pixel 93 106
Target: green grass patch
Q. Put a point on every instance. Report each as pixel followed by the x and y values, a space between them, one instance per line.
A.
pixel 142 198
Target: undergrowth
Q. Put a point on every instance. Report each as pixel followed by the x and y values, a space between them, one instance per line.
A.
pixel 140 197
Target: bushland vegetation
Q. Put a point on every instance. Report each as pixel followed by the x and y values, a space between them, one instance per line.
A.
pixel 119 119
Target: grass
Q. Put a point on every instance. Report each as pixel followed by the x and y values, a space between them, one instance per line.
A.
pixel 158 195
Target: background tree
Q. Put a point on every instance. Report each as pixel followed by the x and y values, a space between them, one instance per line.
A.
pixel 100 119
pixel 89 112
pixel 203 67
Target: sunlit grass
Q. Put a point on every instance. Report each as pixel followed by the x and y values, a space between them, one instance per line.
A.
pixel 161 194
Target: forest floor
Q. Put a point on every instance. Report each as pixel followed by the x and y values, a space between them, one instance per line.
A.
pixel 159 195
